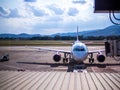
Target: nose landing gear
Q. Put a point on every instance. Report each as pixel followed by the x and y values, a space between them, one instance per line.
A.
pixel 77 67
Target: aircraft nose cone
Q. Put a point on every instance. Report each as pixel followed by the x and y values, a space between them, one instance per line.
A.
pixel 79 56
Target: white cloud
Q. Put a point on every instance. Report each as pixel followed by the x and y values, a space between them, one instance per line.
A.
pixel 57 10
pixel 73 12
pixel 13 13
pixel 51 16
pixel 3 12
pixel 79 1
pixel 38 12
pixel 30 0
pixel 55 19
pixel 9 13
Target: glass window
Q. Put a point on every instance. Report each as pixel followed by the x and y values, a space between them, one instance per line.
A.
pixel 78 48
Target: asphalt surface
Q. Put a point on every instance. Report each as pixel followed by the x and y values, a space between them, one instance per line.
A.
pixel 24 58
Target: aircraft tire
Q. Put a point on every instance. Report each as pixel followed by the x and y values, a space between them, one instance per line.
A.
pixel 70 68
pixel 91 60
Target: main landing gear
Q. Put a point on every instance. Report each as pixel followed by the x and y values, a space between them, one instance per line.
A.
pixel 91 59
pixel 65 59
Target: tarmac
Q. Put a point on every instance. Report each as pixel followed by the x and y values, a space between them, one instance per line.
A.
pixel 34 80
pixel 31 69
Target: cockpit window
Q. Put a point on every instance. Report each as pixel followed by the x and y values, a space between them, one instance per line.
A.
pixel 78 48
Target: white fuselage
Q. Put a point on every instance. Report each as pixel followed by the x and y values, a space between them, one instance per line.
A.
pixel 79 51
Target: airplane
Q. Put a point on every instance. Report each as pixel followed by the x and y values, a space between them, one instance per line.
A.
pixel 78 53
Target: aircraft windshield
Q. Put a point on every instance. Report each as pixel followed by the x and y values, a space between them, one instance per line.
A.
pixel 78 48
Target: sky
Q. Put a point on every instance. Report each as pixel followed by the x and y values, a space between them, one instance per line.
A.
pixel 47 17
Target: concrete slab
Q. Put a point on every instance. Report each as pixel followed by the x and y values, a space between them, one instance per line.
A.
pixel 33 80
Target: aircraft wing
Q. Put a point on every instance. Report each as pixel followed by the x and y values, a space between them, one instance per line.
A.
pixel 53 50
pixel 96 51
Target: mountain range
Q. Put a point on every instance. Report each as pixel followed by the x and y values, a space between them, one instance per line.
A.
pixel 22 35
pixel 109 31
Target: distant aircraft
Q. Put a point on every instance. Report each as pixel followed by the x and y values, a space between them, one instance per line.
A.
pixel 78 54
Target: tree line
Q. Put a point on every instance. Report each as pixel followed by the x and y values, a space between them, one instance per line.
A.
pixel 58 37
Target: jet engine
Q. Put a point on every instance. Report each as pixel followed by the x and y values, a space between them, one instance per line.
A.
pixel 100 57
pixel 57 57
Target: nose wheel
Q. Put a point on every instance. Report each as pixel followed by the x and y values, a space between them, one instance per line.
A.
pixel 75 67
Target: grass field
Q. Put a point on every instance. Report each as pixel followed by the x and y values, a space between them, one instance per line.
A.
pixel 46 43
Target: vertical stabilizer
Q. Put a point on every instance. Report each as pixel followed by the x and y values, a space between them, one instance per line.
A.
pixel 77 34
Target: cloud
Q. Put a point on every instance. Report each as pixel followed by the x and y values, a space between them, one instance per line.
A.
pixel 16 25
pixel 73 12
pixel 79 1
pixel 48 27
pixel 13 13
pixel 37 11
pixel 54 19
pixel 10 13
pixel 3 12
pixel 48 17
pixel 30 0
pixel 56 9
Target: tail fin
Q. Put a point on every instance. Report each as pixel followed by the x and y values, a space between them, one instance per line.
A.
pixel 77 34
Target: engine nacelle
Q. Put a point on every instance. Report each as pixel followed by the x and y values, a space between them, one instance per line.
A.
pixel 57 57
pixel 100 57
